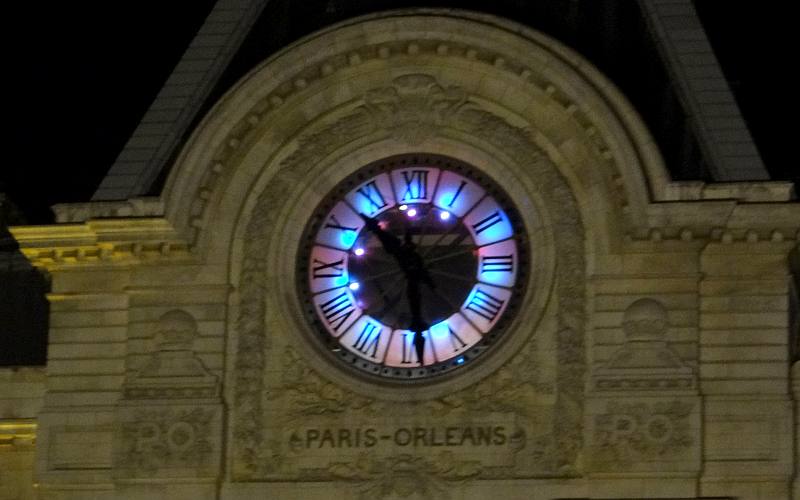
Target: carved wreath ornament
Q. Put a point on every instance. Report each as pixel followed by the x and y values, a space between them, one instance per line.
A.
pixel 412 108
pixel 630 432
pixel 167 438
pixel 405 475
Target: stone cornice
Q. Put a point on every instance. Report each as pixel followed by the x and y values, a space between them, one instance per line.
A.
pixel 101 243
pixel 725 220
pixel 134 207
pixel 748 192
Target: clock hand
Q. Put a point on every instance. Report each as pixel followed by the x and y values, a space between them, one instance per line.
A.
pixel 418 325
pixel 416 273
pixel 382 274
pixel 409 260
pixel 390 242
pixel 438 240
pixel 413 266
pixel 455 276
pixel 450 255
pixel 390 301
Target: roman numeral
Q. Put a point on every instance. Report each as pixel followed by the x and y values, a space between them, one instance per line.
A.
pixel 328 269
pixel 497 263
pixel 484 224
pixel 368 339
pixel 337 310
pixel 458 192
pixel 373 195
pixel 409 351
pixel 334 223
pixel 416 185
pixel 457 342
pixel 485 305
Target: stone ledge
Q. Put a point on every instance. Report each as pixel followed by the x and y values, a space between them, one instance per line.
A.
pixel 134 207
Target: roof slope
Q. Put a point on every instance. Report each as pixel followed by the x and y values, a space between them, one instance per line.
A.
pixel 656 51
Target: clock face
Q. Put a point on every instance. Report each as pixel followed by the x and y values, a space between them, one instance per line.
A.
pixel 412 267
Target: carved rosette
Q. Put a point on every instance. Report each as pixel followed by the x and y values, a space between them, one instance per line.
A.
pixel 414 106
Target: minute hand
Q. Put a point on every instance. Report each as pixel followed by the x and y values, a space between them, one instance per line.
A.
pixel 390 242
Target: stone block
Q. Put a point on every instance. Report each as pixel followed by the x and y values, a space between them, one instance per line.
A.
pixel 743 370
pixel 79 447
pixel 759 425
pixel 87 334
pixel 87 351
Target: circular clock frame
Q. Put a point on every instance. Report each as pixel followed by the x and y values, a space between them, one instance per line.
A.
pixel 384 353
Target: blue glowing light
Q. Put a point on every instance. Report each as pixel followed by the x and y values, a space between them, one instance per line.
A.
pixel 340 280
pixel 412 212
pixel 444 215
pixel 359 251
pixel 403 208
pixel 460 361
pixel 355 285
pixel 348 238
pixel 440 330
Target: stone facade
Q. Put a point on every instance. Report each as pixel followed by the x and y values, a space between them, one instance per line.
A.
pixel 650 359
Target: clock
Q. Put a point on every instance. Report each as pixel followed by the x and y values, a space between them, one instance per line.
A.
pixel 412 268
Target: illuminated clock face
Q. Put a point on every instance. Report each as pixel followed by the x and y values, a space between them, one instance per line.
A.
pixel 412 268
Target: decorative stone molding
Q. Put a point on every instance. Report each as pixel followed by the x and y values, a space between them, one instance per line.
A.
pixel 306 393
pixel 405 475
pixel 82 212
pixel 101 243
pixel 415 108
pixel 747 192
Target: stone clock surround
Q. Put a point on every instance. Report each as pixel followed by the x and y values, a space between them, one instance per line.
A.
pixel 370 97
pixel 549 129
pixel 621 376
pixel 568 109
pixel 405 109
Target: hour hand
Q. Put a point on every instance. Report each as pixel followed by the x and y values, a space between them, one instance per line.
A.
pixel 418 325
pixel 390 242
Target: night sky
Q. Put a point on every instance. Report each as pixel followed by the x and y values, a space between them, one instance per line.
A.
pixel 79 76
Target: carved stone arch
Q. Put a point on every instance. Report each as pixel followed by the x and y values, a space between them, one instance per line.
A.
pixel 574 114
pixel 521 107
pixel 333 147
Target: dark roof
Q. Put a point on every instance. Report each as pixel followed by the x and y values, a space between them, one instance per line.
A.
pixel 83 86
